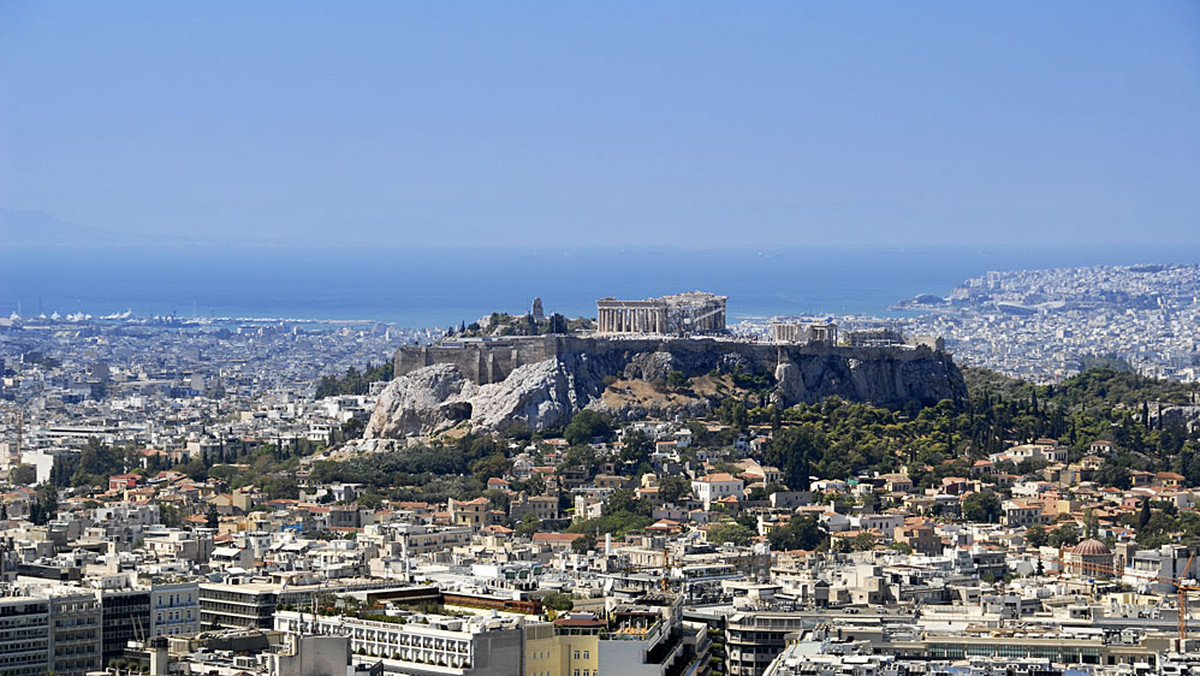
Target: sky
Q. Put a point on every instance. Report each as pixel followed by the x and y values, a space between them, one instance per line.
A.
pixel 629 123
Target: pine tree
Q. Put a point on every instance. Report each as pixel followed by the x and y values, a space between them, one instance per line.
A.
pixel 1144 515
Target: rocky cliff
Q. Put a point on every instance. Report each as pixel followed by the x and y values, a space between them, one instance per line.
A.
pixel 575 373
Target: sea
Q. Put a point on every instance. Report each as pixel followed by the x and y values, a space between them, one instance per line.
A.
pixel 428 287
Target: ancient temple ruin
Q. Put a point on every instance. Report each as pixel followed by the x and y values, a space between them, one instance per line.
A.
pixel 792 331
pixel 691 313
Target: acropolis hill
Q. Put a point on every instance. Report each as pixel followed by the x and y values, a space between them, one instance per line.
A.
pixel 540 381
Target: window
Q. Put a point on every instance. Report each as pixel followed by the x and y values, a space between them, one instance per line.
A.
pixel 576 656
pixel 586 656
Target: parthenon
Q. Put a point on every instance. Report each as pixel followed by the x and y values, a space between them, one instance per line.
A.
pixel 696 312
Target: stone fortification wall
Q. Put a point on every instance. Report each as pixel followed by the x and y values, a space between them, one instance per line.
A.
pixel 803 372
pixel 481 361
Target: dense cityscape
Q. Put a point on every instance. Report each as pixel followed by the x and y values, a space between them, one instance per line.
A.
pixel 1046 325
pixel 599 339
pixel 643 492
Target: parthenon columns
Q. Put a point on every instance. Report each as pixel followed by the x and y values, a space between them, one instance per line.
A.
pixel 630 320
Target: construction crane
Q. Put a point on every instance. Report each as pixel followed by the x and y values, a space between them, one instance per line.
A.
pixel 1181 590
pixel 664 582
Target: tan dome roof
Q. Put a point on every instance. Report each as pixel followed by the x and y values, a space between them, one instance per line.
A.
pixel 1091 548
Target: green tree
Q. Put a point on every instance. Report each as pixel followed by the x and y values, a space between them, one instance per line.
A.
pixel 45 504
pixel 623 501
pixel 558 601
pixel 1036 535
pixel 983 506
pixel 864 541
pixel 1144 514
pixel 637 449
pixel 586 426
pixel 584 544
pixel 581 456
pixel 802 532
pixel 1112 474
pixel 23 475
pixel 676 380
pixel 528 526
pixel 495 465
pixel 733 532
pixel 1065 535
pixel 793 450
pixel 353 428
pixel 557 324
pixel 674 489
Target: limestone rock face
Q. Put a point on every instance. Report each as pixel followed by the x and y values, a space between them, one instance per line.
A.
pixel 651 366
pixel 419 402
pixel 789 387
pixel 544 394
pixel 534 397
pixel 732 361
pixel 435 398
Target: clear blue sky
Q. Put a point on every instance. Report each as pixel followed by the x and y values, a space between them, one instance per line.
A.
pixel 565 123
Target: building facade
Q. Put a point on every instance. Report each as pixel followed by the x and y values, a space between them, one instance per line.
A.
pixel 454 646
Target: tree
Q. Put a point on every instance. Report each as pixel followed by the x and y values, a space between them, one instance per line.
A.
pixel 1144 514
pixel 623 500
pixel 495 465
pixel 1036 535
pixel 558 324
pixel 584 544
pixel 793 450
pixel 1031 465
pixel 586 426
pixel 558 601
pixel 638 447
pixel 1112 474
pixel 581 456
pixel 169 516
pixel 674 489
pixel 731 532
pixel 45 504
pixel 23 475
pixel 1065 535
pixel 802 532
pixel 353 428
pixel 864 541
pixel 983 506
pixel 676 380
pixel 528 526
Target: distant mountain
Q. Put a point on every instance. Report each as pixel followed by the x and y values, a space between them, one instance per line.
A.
pixel 39 228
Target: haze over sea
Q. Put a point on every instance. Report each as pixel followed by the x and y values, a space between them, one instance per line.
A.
pixel 440 287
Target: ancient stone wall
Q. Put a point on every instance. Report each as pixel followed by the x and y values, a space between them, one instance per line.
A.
pixel 803 372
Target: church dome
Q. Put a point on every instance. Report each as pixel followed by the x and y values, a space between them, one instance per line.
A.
pixel 1091 547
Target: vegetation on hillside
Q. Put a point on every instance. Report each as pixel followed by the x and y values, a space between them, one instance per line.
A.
pixel 354 381
pixel 837 439
pixel 504 324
